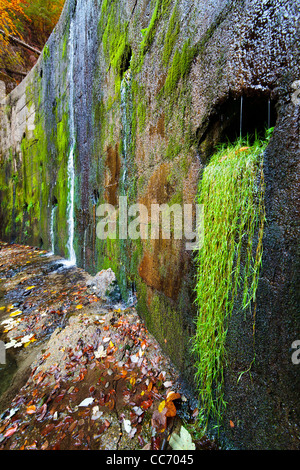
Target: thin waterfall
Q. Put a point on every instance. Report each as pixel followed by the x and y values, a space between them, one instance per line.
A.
pixel 126 120
pixel 84 246
pixel 52 232
pixel 269 113
pixel 241 117
pixel 71 170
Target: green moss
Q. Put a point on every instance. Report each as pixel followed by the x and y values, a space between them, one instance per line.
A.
pixel 149 32
pixel 141 115
pixel 161 7
pixel 232 191
pixel 171 36
pixel 179 68
pixel 113 34
pixel 7 110
pixel 160 10
pixel 46 52
pixel 65 43
pixel 165 323
pixel 61 190
pixel 173 149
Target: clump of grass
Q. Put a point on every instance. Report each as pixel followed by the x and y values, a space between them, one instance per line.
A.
pixel 232 191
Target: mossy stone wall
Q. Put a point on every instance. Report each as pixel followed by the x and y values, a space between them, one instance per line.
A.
pixel 186 59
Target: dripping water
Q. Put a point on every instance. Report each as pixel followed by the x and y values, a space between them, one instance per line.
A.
pixel 71 171
pixel 241 117
pixel 128 295
pixel 84 246
pixel 126 121
pixel 52 232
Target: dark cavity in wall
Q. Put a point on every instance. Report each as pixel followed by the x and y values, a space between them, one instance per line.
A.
pixel 95 196
pixel 54 201
pixel 246 116
pixel 125 60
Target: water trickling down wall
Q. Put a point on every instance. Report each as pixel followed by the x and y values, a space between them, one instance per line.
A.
pixel 132 97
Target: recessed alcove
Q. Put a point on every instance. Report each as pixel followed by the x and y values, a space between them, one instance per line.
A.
pixel 246 116
pixel 95 196
pixel 125 60
pixel 54 201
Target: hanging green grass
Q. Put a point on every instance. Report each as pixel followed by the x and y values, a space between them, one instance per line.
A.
pixel 232 192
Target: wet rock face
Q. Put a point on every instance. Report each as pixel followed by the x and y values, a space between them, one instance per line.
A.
pixel 156 88
pixel 104 285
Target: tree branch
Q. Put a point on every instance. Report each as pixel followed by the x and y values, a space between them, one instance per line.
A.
pixel 15 71
pixel 21 43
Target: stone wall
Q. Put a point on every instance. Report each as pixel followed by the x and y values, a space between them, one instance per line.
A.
pixel 142 92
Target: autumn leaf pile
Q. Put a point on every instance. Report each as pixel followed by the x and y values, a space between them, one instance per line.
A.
pixel 99 380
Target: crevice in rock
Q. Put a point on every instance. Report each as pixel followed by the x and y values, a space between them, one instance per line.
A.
pixel 125 60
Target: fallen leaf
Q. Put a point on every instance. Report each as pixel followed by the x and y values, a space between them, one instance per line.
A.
pixel 31 446
pixel 159 420
pixel 110 404
pixel 172 396
pixel 146 404
pixel 182 441
pixel 11 431
pixel 134 358
pixel 86 402
pixel 27 338
pixel 31 409
pixel 161 406
pixel 30 287
pixel 231 423
pixel 138 411
pixel 100 352
pixel 79 306
pixel 168 384
pixel 96 414
pixel 147 446
pixel 72 426
pixel 16 313
pixel 45 445
pixel 171 409
pixel 42 411
pixel 127 425
pixel 11 344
